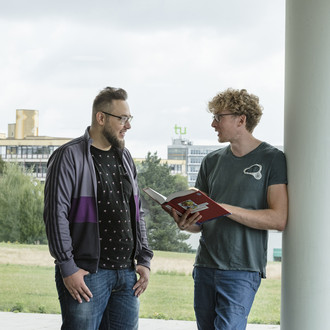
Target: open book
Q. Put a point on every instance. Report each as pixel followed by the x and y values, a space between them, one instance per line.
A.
pixel 193 199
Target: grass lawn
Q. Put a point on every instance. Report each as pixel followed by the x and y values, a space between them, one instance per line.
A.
pixel 31 288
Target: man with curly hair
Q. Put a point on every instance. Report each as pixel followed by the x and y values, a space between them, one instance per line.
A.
pixel 248 178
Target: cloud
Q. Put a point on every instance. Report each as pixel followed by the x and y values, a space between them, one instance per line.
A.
pixel 171 57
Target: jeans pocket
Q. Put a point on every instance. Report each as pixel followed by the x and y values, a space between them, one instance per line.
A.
pixel 256 280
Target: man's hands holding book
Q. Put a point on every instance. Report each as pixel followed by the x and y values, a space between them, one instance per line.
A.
pixel 192 207
pixel 187 221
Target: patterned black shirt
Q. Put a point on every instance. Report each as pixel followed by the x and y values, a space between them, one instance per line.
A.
pixel 114 192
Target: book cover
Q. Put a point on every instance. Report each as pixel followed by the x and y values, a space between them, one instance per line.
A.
pixel 193 199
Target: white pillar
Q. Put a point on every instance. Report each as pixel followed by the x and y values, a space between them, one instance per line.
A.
pixel 306 241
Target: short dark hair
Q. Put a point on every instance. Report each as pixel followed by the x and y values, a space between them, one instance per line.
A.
pixel 104 99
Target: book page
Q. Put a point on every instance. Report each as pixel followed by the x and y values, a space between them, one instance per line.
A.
pixel 155 195
pixel 181 193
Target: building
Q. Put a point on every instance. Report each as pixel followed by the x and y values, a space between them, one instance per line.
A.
pixel 24 146
pixel 176 166
pixel 183 149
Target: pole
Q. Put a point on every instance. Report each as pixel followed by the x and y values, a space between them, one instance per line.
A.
pixel 306 241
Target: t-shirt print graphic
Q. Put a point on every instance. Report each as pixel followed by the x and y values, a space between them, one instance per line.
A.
pixel 254 170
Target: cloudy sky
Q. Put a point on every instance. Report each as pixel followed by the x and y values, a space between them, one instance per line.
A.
pixel 172 57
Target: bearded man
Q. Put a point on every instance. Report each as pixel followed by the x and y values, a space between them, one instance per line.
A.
pixel 94 222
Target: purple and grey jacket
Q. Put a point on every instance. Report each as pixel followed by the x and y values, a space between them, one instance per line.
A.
pixel 70 210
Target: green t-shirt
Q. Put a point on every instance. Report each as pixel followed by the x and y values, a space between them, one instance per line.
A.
pixel 240 181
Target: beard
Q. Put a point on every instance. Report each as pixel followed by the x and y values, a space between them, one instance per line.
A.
pixel 112 139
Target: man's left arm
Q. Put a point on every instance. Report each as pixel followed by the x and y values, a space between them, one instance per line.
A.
pixel 143 258
pixel 144 254
pixel 273 218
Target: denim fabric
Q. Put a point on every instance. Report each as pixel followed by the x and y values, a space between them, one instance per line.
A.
pixel 113 305
pixel 223 298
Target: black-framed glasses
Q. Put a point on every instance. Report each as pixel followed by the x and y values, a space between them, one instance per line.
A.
pixel 123 119
pixel 218 116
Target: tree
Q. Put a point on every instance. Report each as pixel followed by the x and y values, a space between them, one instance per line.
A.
pixel 163 233
pixel 21 206
pixel 2 165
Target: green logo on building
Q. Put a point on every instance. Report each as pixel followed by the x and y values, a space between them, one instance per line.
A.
pixel 179 130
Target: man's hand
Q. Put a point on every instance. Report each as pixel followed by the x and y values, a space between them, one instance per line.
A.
pixel 187 221
pixel 76 286
pixel 141 285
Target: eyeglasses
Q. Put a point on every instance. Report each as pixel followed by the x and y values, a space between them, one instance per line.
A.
pixel 123 119
pixel 218 116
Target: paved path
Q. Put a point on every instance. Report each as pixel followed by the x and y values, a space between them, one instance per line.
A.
pixel 24 321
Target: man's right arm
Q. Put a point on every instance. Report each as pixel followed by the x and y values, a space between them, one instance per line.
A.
pixel 57 203
pixel 58 191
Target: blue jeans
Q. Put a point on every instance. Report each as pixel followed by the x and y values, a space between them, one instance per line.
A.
pixel 223 298
pixel 113 305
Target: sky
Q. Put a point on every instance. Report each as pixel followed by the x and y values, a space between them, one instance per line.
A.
pixel 171 56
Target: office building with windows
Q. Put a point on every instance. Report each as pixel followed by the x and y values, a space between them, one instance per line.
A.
pixel 183 149
pixel 24 146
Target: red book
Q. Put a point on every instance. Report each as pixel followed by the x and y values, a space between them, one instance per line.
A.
pixel 193 199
